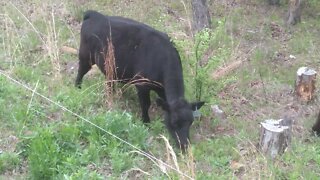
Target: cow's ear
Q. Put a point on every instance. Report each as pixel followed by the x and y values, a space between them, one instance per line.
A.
pixel 197 105
pixel 163 104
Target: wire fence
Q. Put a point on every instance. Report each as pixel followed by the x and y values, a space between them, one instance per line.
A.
pixel 139 151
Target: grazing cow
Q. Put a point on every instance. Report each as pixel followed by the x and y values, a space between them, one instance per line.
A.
pixel 140 52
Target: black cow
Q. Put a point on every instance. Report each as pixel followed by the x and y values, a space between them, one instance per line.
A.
pixel 141 52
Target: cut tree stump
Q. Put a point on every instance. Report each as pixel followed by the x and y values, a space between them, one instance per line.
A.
pixel 305 84
pixel 275 137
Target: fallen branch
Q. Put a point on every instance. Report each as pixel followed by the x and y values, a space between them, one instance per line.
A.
pixel 242 57
pixel 226 70
pixel 69 50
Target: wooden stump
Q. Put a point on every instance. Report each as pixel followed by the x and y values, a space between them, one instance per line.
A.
pixel 275 136
pixel 305 83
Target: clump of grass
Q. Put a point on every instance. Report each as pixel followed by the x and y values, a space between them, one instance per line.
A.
pixel 9 161
pixel 77 11
pixel 83 173
pixel 120 161
pixel 44 155
pixel 68 147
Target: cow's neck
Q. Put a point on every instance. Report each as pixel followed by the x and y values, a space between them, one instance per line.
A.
pixel 174 88
pixel 173 78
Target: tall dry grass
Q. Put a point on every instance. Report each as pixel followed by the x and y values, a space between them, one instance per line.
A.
pixel 110 68
pixel 182 165
pixel 49 36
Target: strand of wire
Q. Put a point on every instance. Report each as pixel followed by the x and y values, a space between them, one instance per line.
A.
pixel 91 123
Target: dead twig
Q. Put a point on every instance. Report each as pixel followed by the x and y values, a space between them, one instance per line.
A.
pixel 69 50
pixel 226 70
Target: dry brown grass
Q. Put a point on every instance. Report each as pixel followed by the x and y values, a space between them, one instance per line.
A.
pixel 51 41
pixel 185 163
pixel 109 67
pixel 49 38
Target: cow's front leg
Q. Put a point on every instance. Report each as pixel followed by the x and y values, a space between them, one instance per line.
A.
pixel 144 99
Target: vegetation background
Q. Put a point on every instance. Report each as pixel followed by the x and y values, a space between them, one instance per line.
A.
pixel 40 140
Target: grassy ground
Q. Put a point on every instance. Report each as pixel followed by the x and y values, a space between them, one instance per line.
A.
pixel 40 140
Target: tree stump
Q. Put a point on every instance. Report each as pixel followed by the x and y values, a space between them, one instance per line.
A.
pixel 294 12
pixel 275 137
pixel 305 84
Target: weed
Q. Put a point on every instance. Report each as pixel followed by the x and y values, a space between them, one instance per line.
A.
pixel 44 155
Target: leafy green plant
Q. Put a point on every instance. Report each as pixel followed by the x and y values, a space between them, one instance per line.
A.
pixel 44 155
pixel 211 47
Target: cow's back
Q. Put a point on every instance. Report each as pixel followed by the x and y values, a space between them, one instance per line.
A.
pixel 140 50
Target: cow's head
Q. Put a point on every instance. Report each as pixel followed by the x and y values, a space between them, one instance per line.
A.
pixel 178 119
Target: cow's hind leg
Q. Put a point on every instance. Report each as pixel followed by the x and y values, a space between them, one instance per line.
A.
pixel 84 66
pixel 144 98
pixel 83 69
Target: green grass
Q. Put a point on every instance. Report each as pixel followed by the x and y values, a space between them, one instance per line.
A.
pixel 54 144
pixel 9 161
